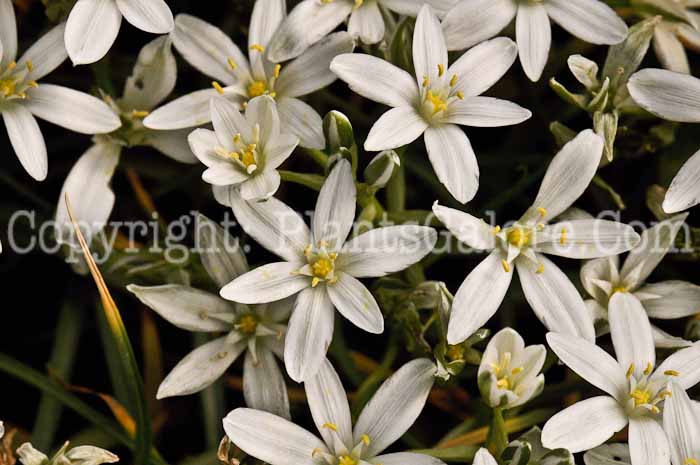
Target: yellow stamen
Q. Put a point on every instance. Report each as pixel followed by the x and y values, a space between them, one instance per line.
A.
pixel 347 460
pixel 630 371
pixel 648 369
pixel 358 3
pixel 540 268
pixel 315 281
pixel 33 84
pixel 257 88
pixel 619 289
pixel 460 95
pixel 503 383
pixel 322 268
pixel 218 87
pixel 12 65
pixel 562 239
pixel 30 66
pixel 542 211
pixel 140 113
pixel 640 397
pixel 453 81
pixel 506 266
pixel 365 440
pixel 690 461
pixel 331 426
pixel 276 73
pixel 496 230
pixel 258 48
pixel 438 103
pixel 232 64
pixel 426 81
pixel 247 324
pixel 671 373
pixel 519 237
pixel 441 69
pixel 516 370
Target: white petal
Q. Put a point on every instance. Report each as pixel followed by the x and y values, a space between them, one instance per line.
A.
pixel 87 187
pixel 335 208
pixel 306 24
pixel 600 269
pixel 354 301
pixel 673 299
pixel 301 120
pixel 586 238
pixel 25 137
pixel 686 362
pixel 412 7
pixel 376 79
pixel 153 77
pixel 228 122
pixel 311 71
pixel 468 229
pixel 554 298
pixel 209 49
pixel 264 21
pixel 397 127
pixel 534 36
pixel 478 297
pixel 186 307
pixel 329 405
pixel 591 363
pixel 648 443
pixel 631 332
pixel 453 160
pixel 91 29
pixel 148 15
pixel 407 458
pixel 652 248
pixel 584 425
pixel 224 174
pixel 47 53
pixel 484 457
pixel 485 112
pixel 429 48
pixel 71 109
pixel 568 175
pixel 663 340
pixel 684 191
pixel 669 49
pixel 261 187
pixel 270 438
pixel 681 424
pixel 309 333
pixel 8 33
pixel 187 111
pixel 263 384
pixel 172 144
pixel 469 23
pixel 482 66
pixel 590 20
pixel 668 95
pixel 395 406
pixel 366 23
pixel 275 226
pixel 386 250
pixel 268 283
pixel 279 149
pixel 221 254
pixel 200 368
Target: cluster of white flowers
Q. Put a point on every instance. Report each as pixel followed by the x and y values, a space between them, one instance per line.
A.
pixel 281 314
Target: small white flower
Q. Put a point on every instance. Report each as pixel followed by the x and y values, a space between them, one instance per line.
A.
pixel 386 417
pixel 244 151
pixel 88 182
pixel 81 455
pixel 473 21
pixel 259 329
pixel 322 266
pixel 550 293
pixel 440 100
pixel 211 51
pixel 509 371
pixel 22 97
pixel 672 37
pixel 675 97
pixel 602 278
pixel 682 425
pixel 312 20
pixel 93 25
pixel 636 391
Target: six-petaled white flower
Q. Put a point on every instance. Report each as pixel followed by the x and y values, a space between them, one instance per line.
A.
pixel 258 328
pixel 509 372
pixel 682 426
pixel 550 293
pixel 321 266
pixel 635 390
pixel 472 21
pixel 240 79
pixel 244 150
pixel 442 98
pixel 385 418
pixel 673 35
pixel 93 25
pixel 22 97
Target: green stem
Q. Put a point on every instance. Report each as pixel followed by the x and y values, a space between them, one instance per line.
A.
pixel 212 400
pixel 318 156
pixel 616 198
pixel 396 191
pixel 497 439
pixel 312 181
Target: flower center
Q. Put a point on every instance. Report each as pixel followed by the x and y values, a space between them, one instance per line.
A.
pixel 645 393
pixel 347 460
pixel 322 267
pixel 245 155
pixel 505 375
pixel 519 237
pixel 320 264
pixel 257 88
pixel 247 324
pixel 339 454
pixel 439 93
pixel 14 81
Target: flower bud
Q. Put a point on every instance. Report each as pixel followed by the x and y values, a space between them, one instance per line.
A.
pixel 381 168
pixel 28 455
pixel 90 455
pixel 338 131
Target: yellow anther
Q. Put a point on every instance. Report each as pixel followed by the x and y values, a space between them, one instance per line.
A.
pixel 237 138
pixel 503 383
pixel 358 3
pixel 648 369
pixel 506 266
pixel 12 65
pixel 516 370
pixel 619 289
pixel 315 281
pixel 221 355
pixel 218 87
pixel 316 451
pixel 30 66
pixel 671 373
pixel 441 69
pixel 496 230
pixel 365 440
pixel 347 460
pixel 640 397
pixel 276 73
pixel 630 371
pixel 322 268
pixel 690 461
pixel 307 250
pixel 540 268
pixel 140 113
pixel 562 238
pixel 426 81
pixel 257 88
pixel 272 94
pixel 258 48
pixel 331 426
pixel 460 95
pixel 33 84
pixel 232 64
pixel 655 409
pixel 453 81
pixel 542 211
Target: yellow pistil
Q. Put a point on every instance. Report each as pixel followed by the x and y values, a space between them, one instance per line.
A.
pixel 347 460
pixel 438 103
pixel 247 324
pixel 218 87
pixel 248 157
pixel 258 48
pixel 257 88
pixel 232 64
pixel 322 268
pixel 519 237
pixel 640 397
pixel 562 238
pixel 441 69
pixel 505 265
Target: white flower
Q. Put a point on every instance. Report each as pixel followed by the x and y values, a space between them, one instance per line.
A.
pixel 509 371
pixel 385 418
pixel 311 20
pixel 548 290
pixel 88 183
pixel 321 266
pixel 81 455
pixel 93 25
pixel 635 390
pixel 442 99
pixel 602 278
pixel 212 52
pixel 244 151
pixel 608 454
pixel 484 457
pixel 473 21
pixel 258 328
pixel 22 97
pixel 675 97
pixel 671 37
pixel 682 425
